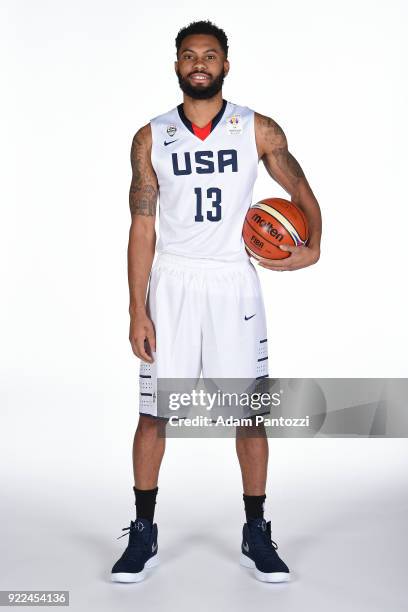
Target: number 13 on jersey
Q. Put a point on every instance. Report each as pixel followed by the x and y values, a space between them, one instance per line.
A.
pixel 214 195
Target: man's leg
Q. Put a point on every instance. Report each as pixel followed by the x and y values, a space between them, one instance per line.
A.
pixel 258 549
pixel 141 552
pixel 148 450
pixel 235 348
pixel 174 313
pixel 252 451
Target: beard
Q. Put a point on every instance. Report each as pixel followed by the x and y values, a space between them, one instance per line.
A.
pixel 198 92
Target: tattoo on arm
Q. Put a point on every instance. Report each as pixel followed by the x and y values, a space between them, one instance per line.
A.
pixel 271 130
pixel 287 162
pixel 276 147
pixel 142 200
pixel 143 188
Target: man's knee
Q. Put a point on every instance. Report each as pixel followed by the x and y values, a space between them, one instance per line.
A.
pixel 250 431
pixel 148 425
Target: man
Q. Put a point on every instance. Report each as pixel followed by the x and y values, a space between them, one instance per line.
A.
pixel 202 158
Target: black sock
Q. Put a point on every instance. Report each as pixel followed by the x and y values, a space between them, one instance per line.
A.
pixel 254 506
pixel 145 501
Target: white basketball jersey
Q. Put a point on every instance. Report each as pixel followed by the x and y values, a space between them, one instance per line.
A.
pixel 205 186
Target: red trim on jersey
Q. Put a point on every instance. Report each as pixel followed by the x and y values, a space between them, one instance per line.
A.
pixel 202 132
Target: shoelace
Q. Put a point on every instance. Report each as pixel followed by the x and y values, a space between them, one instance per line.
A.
pixel 136 547
pixel 266 543
pixel 128 529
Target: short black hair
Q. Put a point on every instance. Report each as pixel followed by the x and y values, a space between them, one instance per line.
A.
pixel 203 27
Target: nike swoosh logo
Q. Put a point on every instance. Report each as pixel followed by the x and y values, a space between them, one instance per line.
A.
pixel 245 546
pixel 154 547
pixel 167 142
pixel 247 318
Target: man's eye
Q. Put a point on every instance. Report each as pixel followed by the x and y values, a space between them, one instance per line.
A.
pixel 210 56
pixel 187 56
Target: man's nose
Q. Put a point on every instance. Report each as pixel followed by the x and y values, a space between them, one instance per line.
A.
pixel 200 66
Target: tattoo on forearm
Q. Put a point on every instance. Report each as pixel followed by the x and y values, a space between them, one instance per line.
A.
pixel 142 200
pixel 287 162
pixel 143 190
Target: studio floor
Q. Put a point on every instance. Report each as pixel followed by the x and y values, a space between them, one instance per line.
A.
pixel 338 511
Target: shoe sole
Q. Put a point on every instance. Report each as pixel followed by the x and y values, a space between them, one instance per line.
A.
pixel 264 576
pixel 138 576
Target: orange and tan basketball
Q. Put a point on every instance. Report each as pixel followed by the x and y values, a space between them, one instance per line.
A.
pixel 270 223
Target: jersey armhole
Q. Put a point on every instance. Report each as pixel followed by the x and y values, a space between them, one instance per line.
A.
pixel 253 139
pixel 153 160
pixel 153 151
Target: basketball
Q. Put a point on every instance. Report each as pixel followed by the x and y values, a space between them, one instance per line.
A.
pixel 270 223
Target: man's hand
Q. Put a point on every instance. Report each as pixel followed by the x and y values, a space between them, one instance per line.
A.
pixel 300 257
pixel 142 336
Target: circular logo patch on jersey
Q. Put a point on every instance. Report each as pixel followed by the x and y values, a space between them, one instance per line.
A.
pixel 234 124
pixel 171 130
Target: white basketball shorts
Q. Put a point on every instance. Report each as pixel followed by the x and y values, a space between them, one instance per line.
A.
pixel 209 318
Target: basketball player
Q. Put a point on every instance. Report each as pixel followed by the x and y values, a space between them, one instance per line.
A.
pixel 204 308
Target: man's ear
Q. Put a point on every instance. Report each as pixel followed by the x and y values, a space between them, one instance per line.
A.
pixel 226 67
pixel 175 66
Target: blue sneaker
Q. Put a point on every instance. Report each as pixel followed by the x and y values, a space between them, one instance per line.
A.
pixel 140 553
pixel 259 552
